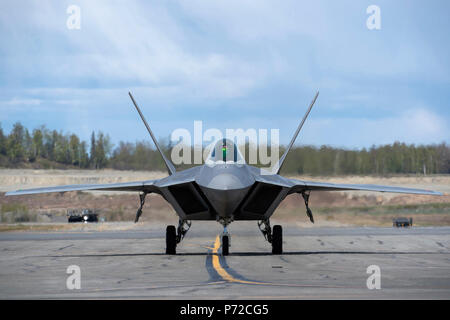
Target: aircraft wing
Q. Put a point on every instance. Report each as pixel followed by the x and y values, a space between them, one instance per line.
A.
pixel 302 185
pixel 144 186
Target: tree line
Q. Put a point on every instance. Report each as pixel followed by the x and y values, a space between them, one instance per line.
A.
pixel 44 148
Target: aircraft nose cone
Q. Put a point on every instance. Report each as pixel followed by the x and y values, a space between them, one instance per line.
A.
pixel 225 187
pixel 224 177
pixel 225 202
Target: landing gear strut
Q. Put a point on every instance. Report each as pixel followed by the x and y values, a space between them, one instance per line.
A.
pixel 305 195
pixel 225 242
pixel 272 235
pixel 142 201
pixel 174 236
pixel 183 228
pixel 226 238
pixel 264 226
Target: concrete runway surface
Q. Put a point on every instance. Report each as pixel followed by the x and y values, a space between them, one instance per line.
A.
pixel 319 263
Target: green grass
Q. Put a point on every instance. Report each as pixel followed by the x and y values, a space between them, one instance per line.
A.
pixel 430 214
pixel 16 212
pixel 13 207
pixel 34 227
pixel 409 209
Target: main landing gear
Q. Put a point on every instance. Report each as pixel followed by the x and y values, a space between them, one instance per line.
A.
pixel 174 236
pixel 272 235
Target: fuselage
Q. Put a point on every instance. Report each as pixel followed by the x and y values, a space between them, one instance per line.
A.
pixel 224 191
pixel 225 186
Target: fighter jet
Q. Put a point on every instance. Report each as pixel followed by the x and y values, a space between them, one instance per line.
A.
pixel 224 189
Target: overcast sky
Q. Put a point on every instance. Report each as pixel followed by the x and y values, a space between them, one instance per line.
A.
pixel 233 64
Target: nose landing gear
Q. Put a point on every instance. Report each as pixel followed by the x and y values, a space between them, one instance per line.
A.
pixel 225 237
pixel 225 242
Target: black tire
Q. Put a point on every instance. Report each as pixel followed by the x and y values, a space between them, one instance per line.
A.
pixel 171 240
pixel 225 245
pixel 277 239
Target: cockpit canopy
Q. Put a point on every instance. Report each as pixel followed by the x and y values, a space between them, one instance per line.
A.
pixel 225 150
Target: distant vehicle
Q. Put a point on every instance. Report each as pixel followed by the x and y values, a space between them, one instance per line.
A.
pixel 86 215
pixel 402 222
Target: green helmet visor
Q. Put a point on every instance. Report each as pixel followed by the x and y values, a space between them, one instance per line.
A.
pixel 224 153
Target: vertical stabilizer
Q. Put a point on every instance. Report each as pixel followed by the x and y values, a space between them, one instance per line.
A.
pixel 283 157
pixel 169 164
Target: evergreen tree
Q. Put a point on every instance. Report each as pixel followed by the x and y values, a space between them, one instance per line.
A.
pixel 38 143
pixel 84 157
pixel 2 142
pixel 15 144
pixel 100 152
pixel 92 158
pixel 74 150
pixel 67 149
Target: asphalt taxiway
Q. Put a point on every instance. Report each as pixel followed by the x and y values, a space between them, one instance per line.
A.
pixel 318 263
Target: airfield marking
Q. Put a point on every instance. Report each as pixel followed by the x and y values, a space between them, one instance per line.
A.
pixel 229 278
pixel 221 271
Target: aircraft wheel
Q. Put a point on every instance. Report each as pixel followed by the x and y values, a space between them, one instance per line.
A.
pixel 171 240
pixel 225 245
pixel 277 239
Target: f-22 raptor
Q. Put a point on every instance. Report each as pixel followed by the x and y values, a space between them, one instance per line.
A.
pixel 224 189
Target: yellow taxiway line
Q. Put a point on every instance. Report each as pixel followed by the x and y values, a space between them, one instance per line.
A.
pixel 221 271
pixel 229 278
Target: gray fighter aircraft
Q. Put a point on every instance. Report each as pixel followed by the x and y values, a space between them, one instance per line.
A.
pixel 224 189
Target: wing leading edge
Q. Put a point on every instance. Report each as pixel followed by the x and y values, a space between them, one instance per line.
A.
pixel 302 185
pixel 145 186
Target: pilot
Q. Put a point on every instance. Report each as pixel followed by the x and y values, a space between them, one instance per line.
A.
pixel 224 152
